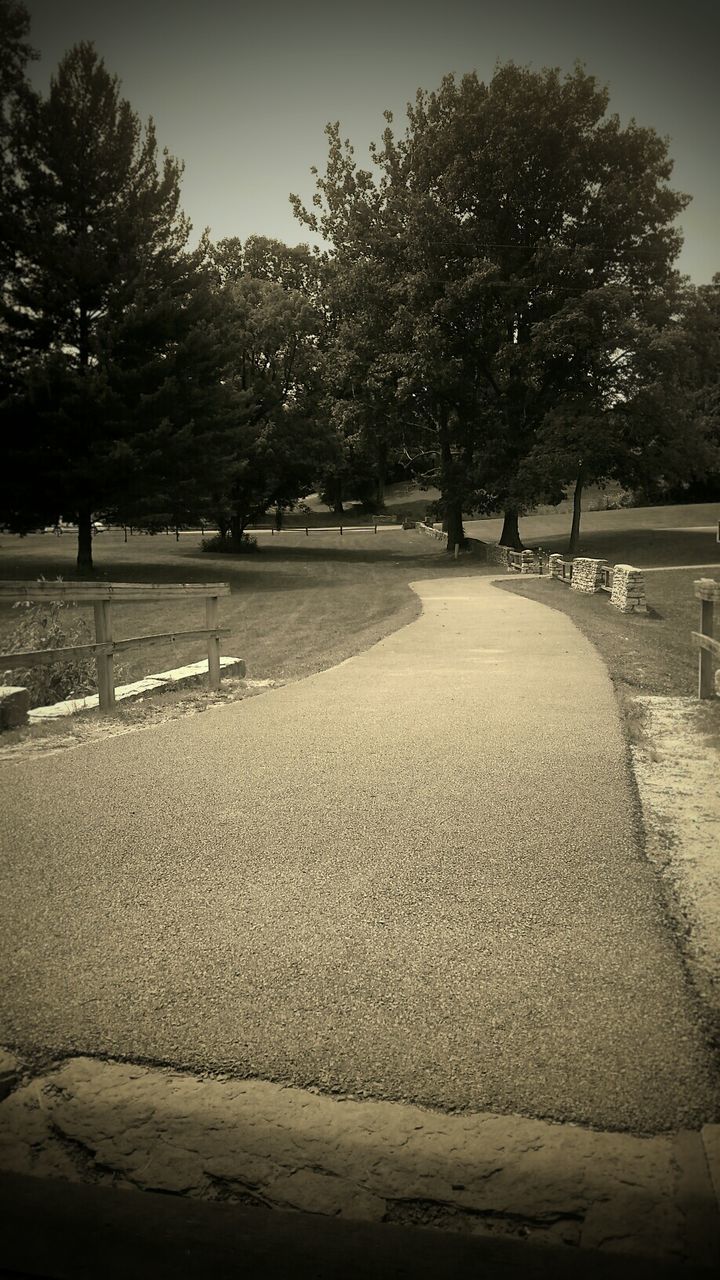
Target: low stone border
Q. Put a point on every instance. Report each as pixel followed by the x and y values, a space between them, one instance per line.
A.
pixel 432 531
pixel 493 553
pixel 627 589
pixel 175 679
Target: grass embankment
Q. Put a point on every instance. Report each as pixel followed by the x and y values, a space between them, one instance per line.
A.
pixel 298 605
pixel 649 653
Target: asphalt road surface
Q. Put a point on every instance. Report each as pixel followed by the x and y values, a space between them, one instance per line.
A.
pixel 413 876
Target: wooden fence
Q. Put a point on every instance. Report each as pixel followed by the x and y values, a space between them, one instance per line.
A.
pixel 102 596
pixel 707 591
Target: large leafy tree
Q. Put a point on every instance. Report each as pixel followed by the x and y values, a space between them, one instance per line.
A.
pixel 505 211
pixel 625 414
pixel 274 439
pixel 103 305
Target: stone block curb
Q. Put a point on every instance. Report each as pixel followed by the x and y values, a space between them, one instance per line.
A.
pixel 178 678
pixel 14 704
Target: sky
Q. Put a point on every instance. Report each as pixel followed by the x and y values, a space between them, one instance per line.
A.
pixel 242 92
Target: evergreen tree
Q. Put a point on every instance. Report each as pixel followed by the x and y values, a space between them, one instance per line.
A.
pixel 102 301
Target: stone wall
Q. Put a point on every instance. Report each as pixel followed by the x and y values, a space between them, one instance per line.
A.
pixel 494 553
pixel 434 533
pixel 513 561
pixel 628 589
pixel 587 574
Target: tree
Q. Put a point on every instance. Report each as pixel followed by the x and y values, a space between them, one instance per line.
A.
pixel 101 303
pixel 273 440
pixel 15 99
pixel 500 213
pixel 624 416
pixel 696 385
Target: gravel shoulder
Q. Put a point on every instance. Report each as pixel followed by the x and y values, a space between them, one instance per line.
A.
pixel 676 760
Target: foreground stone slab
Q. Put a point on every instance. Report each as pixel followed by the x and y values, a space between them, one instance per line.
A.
pixel 677 765
pixel 263 1144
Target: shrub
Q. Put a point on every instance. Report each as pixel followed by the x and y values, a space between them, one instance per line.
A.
pixel 51 624
pixel 243 546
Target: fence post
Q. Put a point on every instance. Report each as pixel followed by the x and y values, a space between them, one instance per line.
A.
pixel 705 666
pixel 211 620
pixel 104 661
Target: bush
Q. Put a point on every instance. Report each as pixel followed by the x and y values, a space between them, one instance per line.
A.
pixel 244 546
pixel 51 624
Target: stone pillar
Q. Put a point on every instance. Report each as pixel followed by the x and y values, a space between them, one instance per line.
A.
pixel 530 562
pixel 628 589
pixel 587 574
pixel 556 565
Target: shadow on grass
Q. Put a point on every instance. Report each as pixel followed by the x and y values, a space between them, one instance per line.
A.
pixel 319 553
pixel 643 547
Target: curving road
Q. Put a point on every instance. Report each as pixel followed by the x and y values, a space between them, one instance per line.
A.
pixel 414 876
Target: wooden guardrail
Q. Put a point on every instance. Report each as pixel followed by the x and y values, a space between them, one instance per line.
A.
pixel 102 596
pixel 707 591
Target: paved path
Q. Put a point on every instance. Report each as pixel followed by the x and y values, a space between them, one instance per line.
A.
pixel 413 876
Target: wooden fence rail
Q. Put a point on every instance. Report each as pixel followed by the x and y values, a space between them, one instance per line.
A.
pixel 102 596
pixel 707 591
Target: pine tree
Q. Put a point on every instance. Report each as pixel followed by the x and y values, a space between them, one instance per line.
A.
pixel 102 300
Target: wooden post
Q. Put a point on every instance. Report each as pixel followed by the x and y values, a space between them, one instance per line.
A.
pixel 211 620
pixel 104 661
pixel 307 533
pixel 705 664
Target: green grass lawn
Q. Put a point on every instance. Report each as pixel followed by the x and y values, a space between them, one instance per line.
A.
pixel 302 604
pixel 299 605
pixel 649 653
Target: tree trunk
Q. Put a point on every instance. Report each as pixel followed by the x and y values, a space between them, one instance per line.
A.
pixel 380 477
pixel 577 512
pixel 338 508
pixel 451 505
pixel 237 527
pixel 454 521
pixel 510 536
pixel 84 554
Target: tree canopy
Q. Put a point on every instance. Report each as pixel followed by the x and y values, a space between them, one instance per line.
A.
pixel 523 242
